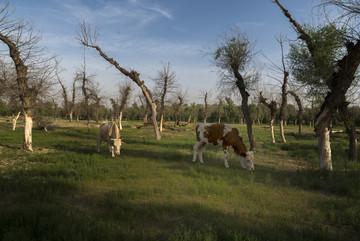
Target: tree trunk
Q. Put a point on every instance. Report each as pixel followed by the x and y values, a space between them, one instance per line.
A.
pixel 120 119
pixel 154 122
pixel 161 122
pixel 324 149
pixel 351 130
pixel 273 108
pixel 70 116
pixel 272 131
pixel 240 84
pixel 282 135
pixel 28 132
pixel 14 120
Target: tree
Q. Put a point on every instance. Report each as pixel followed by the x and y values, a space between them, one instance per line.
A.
pixel 283 93
pixel 88 38
pixel 86 84
pixel 338 82
pixel 32 70
pixel 165 83
pixel 69 105
pixel 233 56
pixel 273 108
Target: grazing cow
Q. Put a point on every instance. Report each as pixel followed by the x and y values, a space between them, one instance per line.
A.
pixel 109 132
pixel 226 136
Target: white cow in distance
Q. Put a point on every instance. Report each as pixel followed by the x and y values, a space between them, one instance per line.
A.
pixel 226 136
pixel 110 133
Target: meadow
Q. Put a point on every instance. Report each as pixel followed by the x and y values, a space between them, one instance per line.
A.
pixel 65 190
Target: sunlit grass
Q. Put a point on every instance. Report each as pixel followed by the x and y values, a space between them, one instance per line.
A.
pixel 65 190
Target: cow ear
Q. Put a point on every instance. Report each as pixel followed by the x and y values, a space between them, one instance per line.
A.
pixel 122 142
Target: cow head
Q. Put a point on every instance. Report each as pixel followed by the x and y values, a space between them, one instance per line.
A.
pixel 247 162
pixel 116 145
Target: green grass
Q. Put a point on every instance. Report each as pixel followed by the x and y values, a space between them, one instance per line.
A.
pixel 65 190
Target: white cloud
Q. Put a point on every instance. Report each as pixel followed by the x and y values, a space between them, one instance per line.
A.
pixel 109 12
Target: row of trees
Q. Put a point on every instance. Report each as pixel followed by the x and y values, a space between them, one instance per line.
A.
pixel 323 62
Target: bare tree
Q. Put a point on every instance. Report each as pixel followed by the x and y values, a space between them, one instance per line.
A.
pixel 233 57
pixel 88 38
pixel 165 83
pixel 342 75
pixel 86 84
pixel 273 108
pixel 125 92
pixel 283 93
pixel 69 104
pixel 32 70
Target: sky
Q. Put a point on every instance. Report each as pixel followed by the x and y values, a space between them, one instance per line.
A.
pixel 143 34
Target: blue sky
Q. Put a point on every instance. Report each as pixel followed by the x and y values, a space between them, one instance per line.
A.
pixel 141 34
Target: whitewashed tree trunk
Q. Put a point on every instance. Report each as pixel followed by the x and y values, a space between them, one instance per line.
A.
pixel 120 119
pixel 272 131
pixel 161 122
pixel 71 116
pixel 28 132
pixel 282 135
pixel 14 120
pixel 324 149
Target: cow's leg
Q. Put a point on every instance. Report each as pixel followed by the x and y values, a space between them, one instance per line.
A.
pixel 225 158
pixel 98 144
pixel 201 149
pixel 195 148
pixel 111 149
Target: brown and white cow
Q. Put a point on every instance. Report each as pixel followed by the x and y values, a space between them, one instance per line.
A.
pixel 109 132
pixel 226 136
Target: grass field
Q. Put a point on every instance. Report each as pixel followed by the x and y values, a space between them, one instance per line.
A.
pixel 65 190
